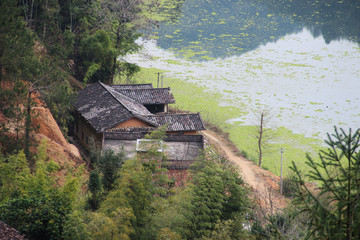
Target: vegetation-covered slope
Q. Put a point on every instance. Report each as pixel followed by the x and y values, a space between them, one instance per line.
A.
pixel 45 43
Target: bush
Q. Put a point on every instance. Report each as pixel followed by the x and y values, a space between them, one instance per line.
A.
pixel 289 185
pixel 244 154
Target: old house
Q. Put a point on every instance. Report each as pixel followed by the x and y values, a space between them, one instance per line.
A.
pixel 117 116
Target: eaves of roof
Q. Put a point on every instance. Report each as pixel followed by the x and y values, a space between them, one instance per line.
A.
pixel 149 96
pixel 179 122
pixel 132 86
pixel 104 108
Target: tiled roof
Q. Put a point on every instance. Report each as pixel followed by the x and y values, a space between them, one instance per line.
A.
pixel 9 233
pixel 132 86
pixel 104 108
pixel 149 96
pixel 179 122
pixel 133 106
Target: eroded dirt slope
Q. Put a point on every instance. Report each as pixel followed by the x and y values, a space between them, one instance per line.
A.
pixel 66 155
pixel 264 184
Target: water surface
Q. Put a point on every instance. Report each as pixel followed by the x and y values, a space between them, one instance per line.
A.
pixel 300 59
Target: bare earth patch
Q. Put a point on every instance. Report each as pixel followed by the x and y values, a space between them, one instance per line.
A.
pixel 264 184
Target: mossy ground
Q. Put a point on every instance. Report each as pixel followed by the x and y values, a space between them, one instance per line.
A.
pixel 194 98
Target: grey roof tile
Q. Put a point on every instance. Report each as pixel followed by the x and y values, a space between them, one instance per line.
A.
pixel 129 103
pixel 179 122
pixel 131 86
pixel 149 96
pixel 9 233
pixel 104 108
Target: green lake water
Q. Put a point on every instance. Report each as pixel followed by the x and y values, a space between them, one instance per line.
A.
pixel 298 59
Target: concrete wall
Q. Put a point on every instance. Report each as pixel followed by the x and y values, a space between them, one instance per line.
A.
pixel 129 146
pixel 183 150
pixel 174 150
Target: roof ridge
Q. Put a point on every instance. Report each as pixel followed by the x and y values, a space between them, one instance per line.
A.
pixel 131 84
pixel 136 84
pixel 142 89
pixel 180 122
pixel 143 118
pixel 177 114
pixel 105 87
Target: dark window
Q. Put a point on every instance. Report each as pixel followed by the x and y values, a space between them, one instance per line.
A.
pixel 82 135
pixel 155 108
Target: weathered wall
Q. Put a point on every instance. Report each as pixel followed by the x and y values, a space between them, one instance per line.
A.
pixel 174 150
pixel 84 131
pixel 183 150
pixel 129 146
pixel 133 122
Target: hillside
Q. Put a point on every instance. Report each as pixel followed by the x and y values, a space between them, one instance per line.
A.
pixel 66 155
pixel 264 184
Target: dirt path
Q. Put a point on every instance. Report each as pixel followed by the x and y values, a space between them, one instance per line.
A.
pixel 264 184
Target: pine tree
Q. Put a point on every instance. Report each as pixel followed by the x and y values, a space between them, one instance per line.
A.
pixel 219 198
pixel 333 208
pixel 17 59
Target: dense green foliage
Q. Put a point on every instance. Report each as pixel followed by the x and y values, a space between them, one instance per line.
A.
pixel 47 43
pixel 218 197
pixel 333 208
pixel 141 203
pixel 32 202
pixel 43 45
pixel 326 199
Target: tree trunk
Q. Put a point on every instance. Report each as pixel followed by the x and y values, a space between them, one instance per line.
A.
pixel 0 74
pixel 119 35
pixel 27 132
pixel 260 137
pixel 45 16
pixel 348 210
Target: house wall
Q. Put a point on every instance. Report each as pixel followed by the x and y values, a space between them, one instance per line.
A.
pixel 182 155
pixel 133 122
pixel 84 132
pixel 127 146
pixel 183 150
pixel 173 150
